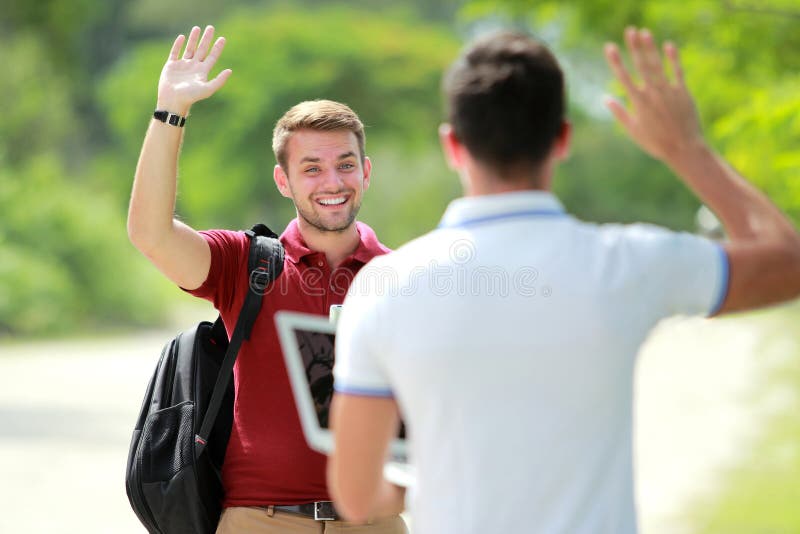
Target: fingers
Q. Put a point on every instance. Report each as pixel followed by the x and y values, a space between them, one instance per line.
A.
pixel 671 51
pixel 654 66
pixel 176 47
pixel 216 50
pixel 620 72
pixel 198 50
pixel 220 80
pixel 205 42
pixel 631 36
pixel 191 44
pixel 645 55
pixel 619 112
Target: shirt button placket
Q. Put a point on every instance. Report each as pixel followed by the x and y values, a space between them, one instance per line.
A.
pixel 324 283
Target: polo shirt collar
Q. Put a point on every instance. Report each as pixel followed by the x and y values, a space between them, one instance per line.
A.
pixel 295 248
pixel 468 211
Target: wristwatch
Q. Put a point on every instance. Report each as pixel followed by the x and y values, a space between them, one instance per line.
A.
pixel 169 118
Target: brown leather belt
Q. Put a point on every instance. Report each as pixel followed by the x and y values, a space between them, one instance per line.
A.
pixel 318 511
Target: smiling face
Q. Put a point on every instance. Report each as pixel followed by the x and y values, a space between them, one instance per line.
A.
pixel 325 178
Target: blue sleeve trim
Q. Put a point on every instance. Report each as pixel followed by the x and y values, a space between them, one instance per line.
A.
pixel 724 279
pixel 363 392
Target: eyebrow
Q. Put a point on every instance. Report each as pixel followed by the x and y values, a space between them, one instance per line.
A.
pixel 345 155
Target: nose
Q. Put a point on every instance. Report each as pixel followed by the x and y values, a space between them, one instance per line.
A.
pixel 332 181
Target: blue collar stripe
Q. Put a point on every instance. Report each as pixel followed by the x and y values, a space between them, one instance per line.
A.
pixel 501 216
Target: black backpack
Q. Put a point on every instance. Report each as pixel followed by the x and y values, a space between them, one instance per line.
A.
pixel 173 477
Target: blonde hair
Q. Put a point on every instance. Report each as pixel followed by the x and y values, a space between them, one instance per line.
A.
pixel 319 115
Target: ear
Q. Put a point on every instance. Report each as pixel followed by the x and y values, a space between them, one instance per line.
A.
pixel 562 143
pixel 281 181
pixel 367 172
pixel 453 149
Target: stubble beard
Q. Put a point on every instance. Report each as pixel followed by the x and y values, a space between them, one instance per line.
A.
pixel 315 220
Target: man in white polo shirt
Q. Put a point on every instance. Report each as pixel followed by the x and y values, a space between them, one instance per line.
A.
pixel 507 337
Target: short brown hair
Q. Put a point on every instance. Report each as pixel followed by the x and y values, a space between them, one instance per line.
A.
pixel 319 115
pixel 505 100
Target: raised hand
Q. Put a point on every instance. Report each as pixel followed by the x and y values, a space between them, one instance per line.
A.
pixel 661 116
pixel 184 80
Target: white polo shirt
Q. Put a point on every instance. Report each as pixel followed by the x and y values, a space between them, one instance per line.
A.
pixel 508 337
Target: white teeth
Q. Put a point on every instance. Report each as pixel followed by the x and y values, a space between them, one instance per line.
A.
pixel 332 201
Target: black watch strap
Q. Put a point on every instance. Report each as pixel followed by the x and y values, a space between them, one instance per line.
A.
pixel 169 118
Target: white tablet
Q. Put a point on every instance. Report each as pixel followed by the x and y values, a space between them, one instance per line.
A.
pixel 308 343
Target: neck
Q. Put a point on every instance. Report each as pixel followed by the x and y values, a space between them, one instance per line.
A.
pixel 481 180
pixel 335 245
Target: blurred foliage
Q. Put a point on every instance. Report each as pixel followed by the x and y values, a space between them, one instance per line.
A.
pixel 22 134
pixel 82 79
pixel 595 186
pixel 407 193
pixel 65 263
pixel 740 59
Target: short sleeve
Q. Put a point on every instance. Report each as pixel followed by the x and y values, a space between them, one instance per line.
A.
pixel 687 274
pixel 359 369
pixel 228 252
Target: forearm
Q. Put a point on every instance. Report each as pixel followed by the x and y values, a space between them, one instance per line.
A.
pixel 390 500
pixel 181 253
pixel 363 428
pixel 745 212
pixel 152 206
pixel 763 249
pixel 763 252
pixel 183 81
pixel 385 500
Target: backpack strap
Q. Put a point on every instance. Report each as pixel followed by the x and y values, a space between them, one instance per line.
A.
pixel 265 264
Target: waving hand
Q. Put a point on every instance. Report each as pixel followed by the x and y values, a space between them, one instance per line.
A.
pixel 184 79
pixel 661 117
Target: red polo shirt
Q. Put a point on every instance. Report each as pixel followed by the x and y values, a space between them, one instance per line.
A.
pixel 268 460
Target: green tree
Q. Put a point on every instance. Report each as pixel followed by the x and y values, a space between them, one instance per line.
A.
pixel 65 262
pixel 740 59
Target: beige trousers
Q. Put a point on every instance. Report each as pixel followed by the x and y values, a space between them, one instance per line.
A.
pixel 264 520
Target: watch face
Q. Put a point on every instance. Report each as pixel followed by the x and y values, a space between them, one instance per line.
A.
pixel 174 119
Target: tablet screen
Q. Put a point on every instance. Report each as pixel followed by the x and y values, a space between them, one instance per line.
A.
pixel 317 351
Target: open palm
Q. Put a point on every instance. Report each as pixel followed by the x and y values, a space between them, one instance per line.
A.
pixel 184 79
pixel 661 116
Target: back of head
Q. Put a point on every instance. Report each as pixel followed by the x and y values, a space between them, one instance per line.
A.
pixel 319 115
pixel 505 100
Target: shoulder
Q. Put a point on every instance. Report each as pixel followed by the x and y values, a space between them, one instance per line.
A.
pixel 383 275
pixel 225 238
pixel 420 248
pixel 227 246
pixel 628 253
pixel 641 237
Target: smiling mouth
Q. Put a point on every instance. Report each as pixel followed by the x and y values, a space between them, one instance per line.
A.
pixel 334 201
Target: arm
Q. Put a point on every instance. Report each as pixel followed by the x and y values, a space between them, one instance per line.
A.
pixel 363 428
pixel 764 247
pixel 177 250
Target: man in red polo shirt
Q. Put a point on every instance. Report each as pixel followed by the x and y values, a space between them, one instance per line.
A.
pixel 272 478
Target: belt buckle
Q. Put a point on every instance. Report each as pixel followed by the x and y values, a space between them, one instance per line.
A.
pixel 323 511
